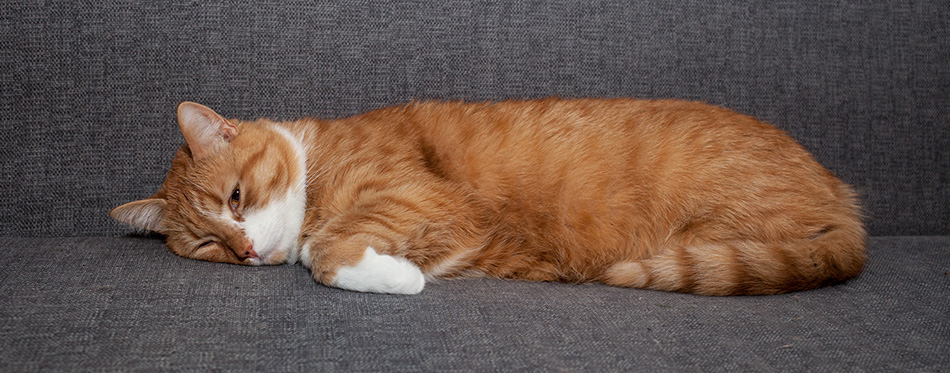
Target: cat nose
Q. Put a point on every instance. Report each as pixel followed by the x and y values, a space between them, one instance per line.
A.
pixel 248 252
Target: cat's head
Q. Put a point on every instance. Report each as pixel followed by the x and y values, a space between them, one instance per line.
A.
pixel 235 192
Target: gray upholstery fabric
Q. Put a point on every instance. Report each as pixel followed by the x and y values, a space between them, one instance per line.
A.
pixel 87 106
pixel 90 88
pixel 129 303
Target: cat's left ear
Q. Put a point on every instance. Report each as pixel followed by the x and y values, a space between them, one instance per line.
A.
pixel 145 214
pixel 205 131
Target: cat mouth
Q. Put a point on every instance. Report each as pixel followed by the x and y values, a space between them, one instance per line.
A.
pixel 273 255
pixel 273 259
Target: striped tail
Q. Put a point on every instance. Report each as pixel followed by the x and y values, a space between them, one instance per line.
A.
pixel 748 268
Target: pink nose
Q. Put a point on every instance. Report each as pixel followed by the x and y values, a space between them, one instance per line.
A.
pixel 248 252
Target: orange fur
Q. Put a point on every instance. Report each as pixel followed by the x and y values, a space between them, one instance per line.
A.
pixel 666 195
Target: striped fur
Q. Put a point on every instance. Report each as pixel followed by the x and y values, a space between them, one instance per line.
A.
pixel 665 195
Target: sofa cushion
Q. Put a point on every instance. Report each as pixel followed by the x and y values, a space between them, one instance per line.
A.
pixel 128 303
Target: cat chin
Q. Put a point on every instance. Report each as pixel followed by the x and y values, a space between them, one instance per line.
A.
pixel 262 262
pixel 277 259
pixel 274 229
pixel 281 256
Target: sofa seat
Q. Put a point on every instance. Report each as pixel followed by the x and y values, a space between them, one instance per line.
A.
pixel 127 303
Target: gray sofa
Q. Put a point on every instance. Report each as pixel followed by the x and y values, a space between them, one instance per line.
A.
pixel 87 109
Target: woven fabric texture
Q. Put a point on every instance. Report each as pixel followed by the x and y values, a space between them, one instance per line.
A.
pixel 152 310
pixel 90 88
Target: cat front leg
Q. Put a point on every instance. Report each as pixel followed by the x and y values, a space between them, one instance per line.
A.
pixel 381 235
pixel 376 273
pixel 355 264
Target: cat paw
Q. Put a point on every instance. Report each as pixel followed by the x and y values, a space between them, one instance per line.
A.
pixel 380 274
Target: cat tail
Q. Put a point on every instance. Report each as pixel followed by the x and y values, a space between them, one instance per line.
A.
pixel 748 268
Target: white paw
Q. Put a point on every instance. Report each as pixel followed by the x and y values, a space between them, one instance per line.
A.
pixel 380 274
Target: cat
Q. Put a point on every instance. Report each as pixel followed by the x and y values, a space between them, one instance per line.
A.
pixel 656 194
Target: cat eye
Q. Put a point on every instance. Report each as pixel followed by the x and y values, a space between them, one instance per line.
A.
pixel 235 198
pixel 204 244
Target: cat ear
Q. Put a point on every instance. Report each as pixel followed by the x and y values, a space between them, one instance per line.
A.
pixel 205 131
pixel 145 214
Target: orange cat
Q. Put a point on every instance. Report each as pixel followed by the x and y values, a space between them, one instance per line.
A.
pixel 665 195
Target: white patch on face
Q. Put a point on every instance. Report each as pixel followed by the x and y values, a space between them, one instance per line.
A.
pixel 380 274
pixel 275 228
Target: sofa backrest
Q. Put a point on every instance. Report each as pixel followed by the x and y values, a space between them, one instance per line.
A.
pixel 89 90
